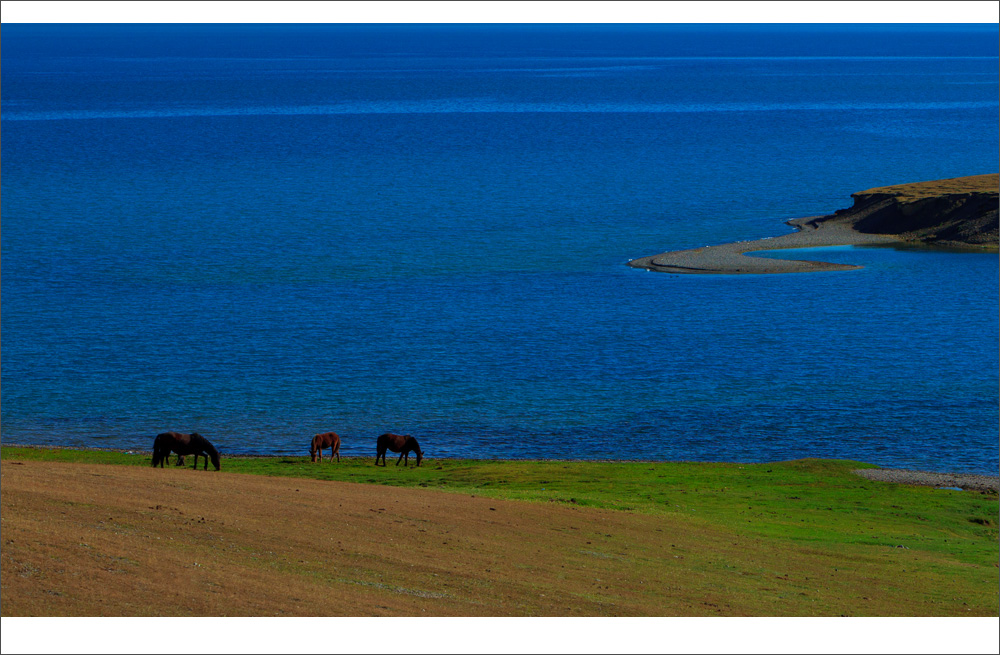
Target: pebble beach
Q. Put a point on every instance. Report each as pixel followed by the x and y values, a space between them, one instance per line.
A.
pixel 964 481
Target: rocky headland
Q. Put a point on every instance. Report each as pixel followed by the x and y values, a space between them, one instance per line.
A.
pixel 956 213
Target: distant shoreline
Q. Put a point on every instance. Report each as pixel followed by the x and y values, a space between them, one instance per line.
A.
pixel 968 481
pixel 956 213
pixel 965 481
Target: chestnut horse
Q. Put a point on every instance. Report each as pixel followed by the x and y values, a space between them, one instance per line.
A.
pixel 325 440
pixel 184 444
pixel 397 443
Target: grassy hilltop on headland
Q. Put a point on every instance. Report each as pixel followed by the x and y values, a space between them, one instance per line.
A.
pixel 960 211
pixel 103 533
pixel 955 186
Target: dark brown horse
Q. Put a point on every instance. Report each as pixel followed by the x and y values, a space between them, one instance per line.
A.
pixel 329 440
pixel 397 443
pixel 184 444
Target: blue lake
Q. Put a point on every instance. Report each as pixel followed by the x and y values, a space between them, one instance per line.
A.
pixel 263 233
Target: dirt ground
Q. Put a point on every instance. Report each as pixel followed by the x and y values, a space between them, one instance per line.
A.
pixel 99 540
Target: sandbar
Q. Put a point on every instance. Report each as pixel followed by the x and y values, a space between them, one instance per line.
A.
pixel 732 258
pixel 959 212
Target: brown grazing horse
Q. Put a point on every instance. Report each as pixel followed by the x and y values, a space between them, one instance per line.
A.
pixel 184 444
pixel 329 440
pixel 397 443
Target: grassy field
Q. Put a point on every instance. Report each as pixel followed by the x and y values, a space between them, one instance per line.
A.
pixel 805 537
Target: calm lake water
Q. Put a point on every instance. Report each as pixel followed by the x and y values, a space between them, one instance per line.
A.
pixel 263 232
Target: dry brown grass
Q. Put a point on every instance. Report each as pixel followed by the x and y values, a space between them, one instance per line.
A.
pixel 956 185
pixel 98 540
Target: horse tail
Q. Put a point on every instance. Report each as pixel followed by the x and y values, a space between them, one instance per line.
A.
pixel 157 451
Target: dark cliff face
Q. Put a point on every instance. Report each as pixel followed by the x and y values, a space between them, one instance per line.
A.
pixel 949 218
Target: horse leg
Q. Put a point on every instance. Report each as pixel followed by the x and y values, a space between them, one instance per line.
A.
pixel 205 455
pixel 400 458
pixel 338 454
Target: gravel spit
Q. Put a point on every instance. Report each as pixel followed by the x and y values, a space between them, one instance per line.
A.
pixel 930 479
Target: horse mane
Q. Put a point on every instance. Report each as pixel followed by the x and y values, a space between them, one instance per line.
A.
pixel 416 448
pixel 210 449
pixel 207 446
pixel 213 454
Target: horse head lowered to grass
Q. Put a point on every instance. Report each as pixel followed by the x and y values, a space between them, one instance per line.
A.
pixel 184 444
pixel 329 440
pixel 397 443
